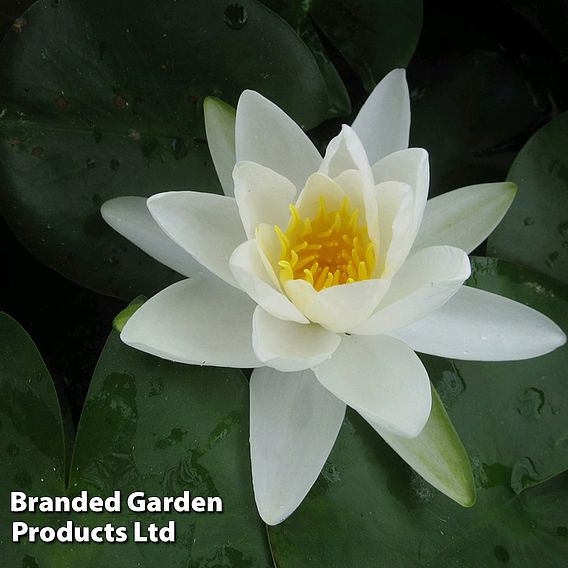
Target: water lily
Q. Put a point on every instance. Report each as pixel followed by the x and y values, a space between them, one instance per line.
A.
pixel 325 275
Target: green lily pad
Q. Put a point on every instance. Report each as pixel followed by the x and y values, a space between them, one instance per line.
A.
pixel 295 13
pixel 369 508
pixel 147 425
pixel 374 36
pixel 31 427
pixel 102 99
pixel 469 110
pixel 535 230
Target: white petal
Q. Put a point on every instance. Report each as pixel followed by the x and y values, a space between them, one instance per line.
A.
pixel 437 454
pixel 426 281
pixel 262 195
pixel 207 226
pixel 352 184
pixel 346 152
pixel 383 123
pixel 289 346
pixel 267 135
pixel 201 321
pixel 294 422
pixel 480 326
pixel 220 130
pixel 130 217
pixel 338 308
pixel 383 379
pixel 250 273
pixel 465 217
pixel 319 185
pixel 409 166
pixel 395 223
pixel 269 249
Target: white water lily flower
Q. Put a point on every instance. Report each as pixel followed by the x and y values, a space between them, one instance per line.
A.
pixel 325 275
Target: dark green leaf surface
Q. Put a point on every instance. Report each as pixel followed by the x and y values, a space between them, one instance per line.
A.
pixel 369 509
pixel 101 99
pixel 535 230
pixel 374 36
pixel 296 14
pixel 468 110
pixel 148 425
pixel 30 419
pixel 31 430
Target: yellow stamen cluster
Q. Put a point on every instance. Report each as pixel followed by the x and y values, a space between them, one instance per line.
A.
pixel 327 250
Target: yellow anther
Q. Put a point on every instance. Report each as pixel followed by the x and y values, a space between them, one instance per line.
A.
pixel 321 278
pixel 286 272
pixel 295 219
pixel 355 256
pixel 304 262
pixel 353 220
pixel 307 228
pixel 329 249
pixel 351 271
pixel 283 238
pixel 321 210
pixel 324 234
pixel 294 258
pixel 336 223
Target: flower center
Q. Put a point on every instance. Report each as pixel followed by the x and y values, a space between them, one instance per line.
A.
pixel 329 249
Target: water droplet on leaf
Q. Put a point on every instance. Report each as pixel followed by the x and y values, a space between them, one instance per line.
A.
pixel 531 403
pixel 179 148
pixel 235 16
pixel 502 554
pixel 523 474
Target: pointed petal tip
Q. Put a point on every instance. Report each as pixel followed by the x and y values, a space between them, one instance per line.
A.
pixel 108 209
pixel 209 100
pixel 396 73
pixel 401 71
pixel 272 517
pixel 511 186
pixel 112 209
pixel 508 189
pixel 560 338
pixel 250 94
pixel 469 499
pixel 153 199
pixel 212 103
